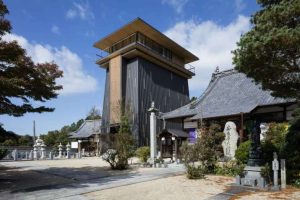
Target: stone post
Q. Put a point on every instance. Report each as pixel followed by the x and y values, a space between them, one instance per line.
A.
pixel 15 154
pixel 153 147
pixel 35 155
pixel 275 168
pixel 31 155
pixel 50 155
pixel 59 150
pixel 26 155
pixel 175 149
pixel 68 150
pixel 43 151
pixel 79 149
pixel 283 173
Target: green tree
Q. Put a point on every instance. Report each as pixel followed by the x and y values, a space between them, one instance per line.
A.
pixel 291 149
pixel 205 150
pixel 143 153
pixel 25 140
pixel 270 52
pixel 94 114
pixel 242 152
pixel 21 79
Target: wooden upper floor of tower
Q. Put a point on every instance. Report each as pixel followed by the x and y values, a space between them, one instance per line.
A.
pixel 138 38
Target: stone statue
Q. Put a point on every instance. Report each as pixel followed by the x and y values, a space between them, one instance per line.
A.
pixel 230 143
pixel 263 130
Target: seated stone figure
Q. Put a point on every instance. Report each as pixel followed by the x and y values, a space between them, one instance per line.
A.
pixel 230 142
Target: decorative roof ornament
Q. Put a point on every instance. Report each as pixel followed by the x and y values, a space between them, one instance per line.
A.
pixel 152 108
pixel 217 70
pixel 214 74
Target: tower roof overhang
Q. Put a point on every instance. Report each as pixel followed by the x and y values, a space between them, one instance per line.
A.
pixel 139 25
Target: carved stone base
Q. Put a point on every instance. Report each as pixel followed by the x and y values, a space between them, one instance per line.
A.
pixel 253 177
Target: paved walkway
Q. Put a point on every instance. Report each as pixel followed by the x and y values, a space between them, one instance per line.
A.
pixel 62 183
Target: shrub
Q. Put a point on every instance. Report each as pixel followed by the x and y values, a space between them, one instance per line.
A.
pixel 110 157
pixel 123 147
pixel 3 153
pixel 143 153
pixel 231 168
pixel 195 172
pixel 297 183
pixel 266 172
pixel 204 151
pixel 291 150
pixel 242 152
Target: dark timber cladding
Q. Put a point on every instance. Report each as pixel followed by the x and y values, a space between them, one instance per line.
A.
pixel 142 66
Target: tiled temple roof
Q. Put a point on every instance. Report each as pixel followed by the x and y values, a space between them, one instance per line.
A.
pixel 228 93
pixel 87 129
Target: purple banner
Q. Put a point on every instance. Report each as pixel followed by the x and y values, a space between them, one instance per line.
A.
pixel 192 136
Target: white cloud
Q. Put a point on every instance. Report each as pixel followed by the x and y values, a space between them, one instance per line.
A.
pixel 176 4
pixel 75 80
pixel 212 43
pixel 82 11
pixel 55 30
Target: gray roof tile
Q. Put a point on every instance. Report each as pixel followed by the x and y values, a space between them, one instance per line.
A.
pixel 87 129
pixel 228 93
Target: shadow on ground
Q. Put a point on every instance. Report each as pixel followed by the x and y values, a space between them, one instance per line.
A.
pixel 18 180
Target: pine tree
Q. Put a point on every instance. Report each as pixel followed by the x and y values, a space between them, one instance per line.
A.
pixel 270 52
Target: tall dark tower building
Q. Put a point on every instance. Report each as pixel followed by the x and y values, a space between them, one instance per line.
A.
pixel 142 65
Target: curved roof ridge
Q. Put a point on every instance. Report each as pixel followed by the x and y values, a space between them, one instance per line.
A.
pixel 214 79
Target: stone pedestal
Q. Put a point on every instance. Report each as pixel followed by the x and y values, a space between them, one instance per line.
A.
pixel 253 177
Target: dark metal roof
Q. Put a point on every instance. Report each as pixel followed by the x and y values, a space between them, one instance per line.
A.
pixel 87 129
pixel 176 132
pixel 228 93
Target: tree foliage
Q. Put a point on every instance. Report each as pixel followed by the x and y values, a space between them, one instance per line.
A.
pixel 291 150
pixel 270 51
pixel 21 80
pixel 93 114
pixel 54 138
pixel 9 138
pixel 205 151
pixel 242 152
pixel 122 146
pixel 143 153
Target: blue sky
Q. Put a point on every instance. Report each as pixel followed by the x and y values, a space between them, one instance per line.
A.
pixel 65 31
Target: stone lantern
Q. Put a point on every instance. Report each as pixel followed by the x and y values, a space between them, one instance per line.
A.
pixel 39 149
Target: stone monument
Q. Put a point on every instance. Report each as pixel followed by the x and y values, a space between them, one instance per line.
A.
pixel 275 168
pixel 282 173
pixel 263 130
pixel 253 169
pixel 230 142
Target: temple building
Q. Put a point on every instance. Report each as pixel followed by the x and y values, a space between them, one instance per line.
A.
pixel 230 96
pixel 88 135
pixel 142 66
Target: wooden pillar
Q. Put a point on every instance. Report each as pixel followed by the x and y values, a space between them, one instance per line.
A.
pixel 284 113
pixel 242 128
